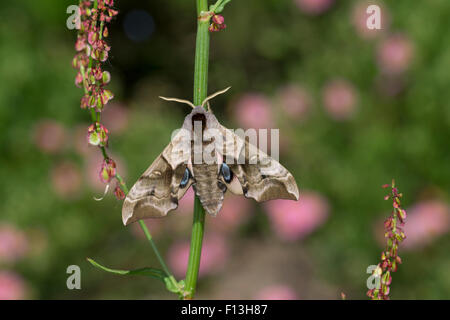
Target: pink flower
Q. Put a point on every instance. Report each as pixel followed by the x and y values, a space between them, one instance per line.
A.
pixel 390 85
pixel 49 136
pixel 294 220
pixel 426 221
pixel 360 17
pixel 294 100
pixel 214 256
pixel 186 204
pixel 339 98
pixel 12 286
pixel 313 7
pixel 155 226
pixel 79 141
pixel 116 117
pixel 277 292
pixel 66 179
pixel 13 244
pixel 236 210
pixel 253 111
pixel 395 54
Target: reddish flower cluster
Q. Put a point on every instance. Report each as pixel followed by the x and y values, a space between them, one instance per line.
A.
pixel 98 135
pixel 394 234
pixel 217 23
pixel 92 51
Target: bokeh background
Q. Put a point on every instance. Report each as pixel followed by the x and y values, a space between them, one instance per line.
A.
pixel 355 109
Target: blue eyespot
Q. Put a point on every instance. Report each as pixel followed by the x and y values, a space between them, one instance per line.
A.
pixel 185 179
pixel 226 173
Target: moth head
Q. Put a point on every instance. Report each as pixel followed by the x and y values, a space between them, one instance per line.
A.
pixel 205 102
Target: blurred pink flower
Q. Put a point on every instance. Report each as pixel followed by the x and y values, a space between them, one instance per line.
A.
pixel 277 292
pixel 115 117
pixel 395 54
pixel 253 111
pixel 390 85
pixel 49 136
pixel 214 256
pixel 235 211
pixel 155 226
pixel 12 286
pixel 294 220
pixel 13 244
pixel 313 7
pixel 186 204
pixel 81 145
pixel 66 179
pixel 294 100
pixel 339 98
pixel 360 17
pixel 426 221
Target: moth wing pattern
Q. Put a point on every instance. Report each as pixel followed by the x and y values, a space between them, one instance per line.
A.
pixel 158 190
pixel 264 179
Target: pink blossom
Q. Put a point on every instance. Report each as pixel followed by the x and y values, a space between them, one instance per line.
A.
pixel 13 244
pixel 79 140
pixel 214 256
pixel 294 100
pixel 360 17
pixel 426 221
pixel 235 211
pixel 66 179
pixel 339 98
pixel 294 220
pixel 390 85
pixel 12 286
pixel 186 204
pixel 49 136
pixel 395 54
pixel 313 7
pixel 277 292
pixel 116 117
pixel 155 226
pixel 253 111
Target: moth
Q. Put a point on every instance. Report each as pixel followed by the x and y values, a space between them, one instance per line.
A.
pixel 212 159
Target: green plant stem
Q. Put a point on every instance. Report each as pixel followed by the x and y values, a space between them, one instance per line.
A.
pixel 200 92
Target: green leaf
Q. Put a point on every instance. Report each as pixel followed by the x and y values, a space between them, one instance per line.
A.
pixel 149 272
pixel 222 6
pixel 219 6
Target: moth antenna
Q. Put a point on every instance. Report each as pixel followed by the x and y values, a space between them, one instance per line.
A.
pixel 214 95
pixel 209 107
pixel 179 100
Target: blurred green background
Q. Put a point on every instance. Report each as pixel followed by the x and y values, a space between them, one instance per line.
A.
pixel 355 109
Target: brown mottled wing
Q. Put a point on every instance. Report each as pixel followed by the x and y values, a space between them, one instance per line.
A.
pixel 155 193
pixel 264 180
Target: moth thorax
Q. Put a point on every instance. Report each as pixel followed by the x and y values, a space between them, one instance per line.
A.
pixel 199 123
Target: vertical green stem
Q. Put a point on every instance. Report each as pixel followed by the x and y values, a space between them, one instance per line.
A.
pixel 200 93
